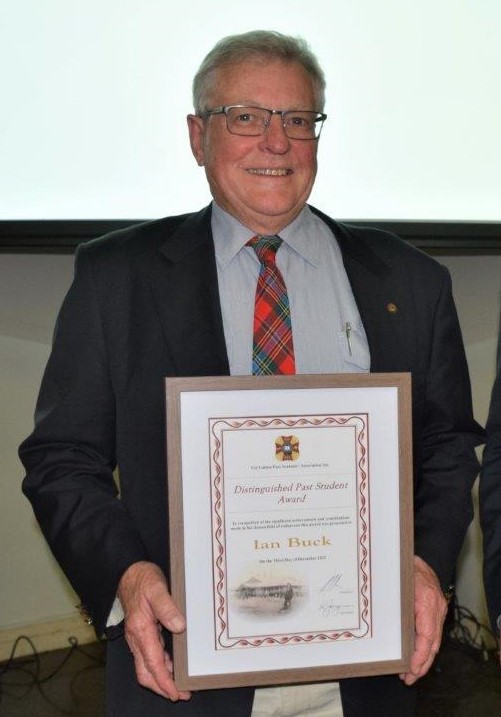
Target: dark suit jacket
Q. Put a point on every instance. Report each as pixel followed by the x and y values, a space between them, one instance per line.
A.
pixel 144 305
pixel 490 505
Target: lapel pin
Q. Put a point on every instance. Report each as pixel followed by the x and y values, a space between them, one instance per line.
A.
pixel 391 307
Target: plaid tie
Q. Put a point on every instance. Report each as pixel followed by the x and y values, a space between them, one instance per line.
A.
pixel 273 350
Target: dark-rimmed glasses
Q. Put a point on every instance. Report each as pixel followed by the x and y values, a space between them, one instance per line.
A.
pixel 254 121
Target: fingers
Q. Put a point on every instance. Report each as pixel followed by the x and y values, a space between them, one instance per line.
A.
pixel 148 606
pixel 430 609
pixel 152 664
pixel 421 660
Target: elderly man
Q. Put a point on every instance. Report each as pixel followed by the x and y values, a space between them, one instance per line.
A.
pixel 176 297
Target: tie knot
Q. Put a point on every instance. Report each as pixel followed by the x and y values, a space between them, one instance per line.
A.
pixel 265 247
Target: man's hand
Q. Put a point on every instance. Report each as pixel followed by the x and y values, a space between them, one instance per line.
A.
pixel 430 609
pixel 147 606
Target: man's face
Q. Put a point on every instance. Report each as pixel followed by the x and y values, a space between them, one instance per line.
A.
pixel 263 181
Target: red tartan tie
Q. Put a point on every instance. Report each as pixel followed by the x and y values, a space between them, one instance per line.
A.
pixel 273 350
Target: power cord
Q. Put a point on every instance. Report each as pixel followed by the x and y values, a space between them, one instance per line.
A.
pixel 469 632
pixel 18 676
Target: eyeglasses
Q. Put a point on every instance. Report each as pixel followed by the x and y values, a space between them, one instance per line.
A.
pixel 254 121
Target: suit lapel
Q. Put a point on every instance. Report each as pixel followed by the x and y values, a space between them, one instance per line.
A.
pixel 183 280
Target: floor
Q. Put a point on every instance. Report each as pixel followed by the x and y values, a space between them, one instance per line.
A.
pixel 63 682
pixel 464 682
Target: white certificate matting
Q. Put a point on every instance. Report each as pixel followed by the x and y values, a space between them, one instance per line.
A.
pixel 290 505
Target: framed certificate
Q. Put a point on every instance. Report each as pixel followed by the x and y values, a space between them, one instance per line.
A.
pixel 290 516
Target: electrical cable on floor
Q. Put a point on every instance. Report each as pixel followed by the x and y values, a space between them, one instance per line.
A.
pixel 468 631
pixel 29 668
pixel 465 676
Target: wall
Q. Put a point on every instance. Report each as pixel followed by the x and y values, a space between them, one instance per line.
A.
pixel 35 598
pixel 412 99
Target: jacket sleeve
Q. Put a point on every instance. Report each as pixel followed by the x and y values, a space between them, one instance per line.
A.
pixel 490 506
pixel 446 464
pixel 70 456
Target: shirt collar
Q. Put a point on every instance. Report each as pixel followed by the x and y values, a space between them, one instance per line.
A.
pixel 304 235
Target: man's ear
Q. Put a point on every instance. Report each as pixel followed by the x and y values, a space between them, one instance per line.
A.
pixel 196 128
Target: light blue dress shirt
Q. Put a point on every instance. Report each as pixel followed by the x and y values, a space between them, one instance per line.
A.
pixel 327 330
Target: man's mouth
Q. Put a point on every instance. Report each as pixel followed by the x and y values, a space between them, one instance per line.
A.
pixel 271 172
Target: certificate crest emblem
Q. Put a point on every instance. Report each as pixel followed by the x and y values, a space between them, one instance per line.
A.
pixel 287 448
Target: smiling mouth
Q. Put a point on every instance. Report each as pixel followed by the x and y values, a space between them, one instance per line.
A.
pixel 270 172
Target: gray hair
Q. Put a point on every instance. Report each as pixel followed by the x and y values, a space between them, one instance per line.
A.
pixel 257 45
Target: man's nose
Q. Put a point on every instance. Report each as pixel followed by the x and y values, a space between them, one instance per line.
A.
pixel 274 138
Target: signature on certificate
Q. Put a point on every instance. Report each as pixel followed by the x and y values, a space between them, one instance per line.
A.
pixel 332 583
pixel 329 608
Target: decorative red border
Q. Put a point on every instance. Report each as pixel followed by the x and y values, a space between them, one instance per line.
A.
pixel 216 427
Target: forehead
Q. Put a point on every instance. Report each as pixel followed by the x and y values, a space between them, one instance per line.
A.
pixel 274 84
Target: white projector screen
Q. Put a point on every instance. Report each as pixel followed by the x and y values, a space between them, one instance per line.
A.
pixel 95 94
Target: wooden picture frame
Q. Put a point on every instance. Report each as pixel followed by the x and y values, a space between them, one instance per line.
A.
pixel 291 527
